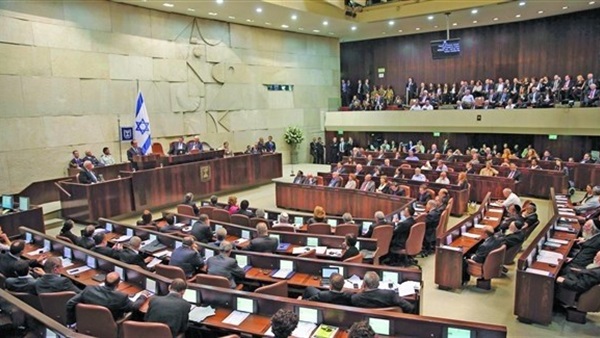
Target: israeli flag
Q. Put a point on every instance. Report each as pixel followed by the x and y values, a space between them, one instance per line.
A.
pixel 141 132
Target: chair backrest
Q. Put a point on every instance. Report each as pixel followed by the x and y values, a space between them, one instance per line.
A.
pixel 376 256
pixel 406 189
pixel 277 289
pixel 255 220
pixel 319 228
pixel 157 148
pixel 133 329
pixel 391 308
pixel 221 215
pixel 344 229
pixel 414 242
pixel 286 228
pixel 240 220
pixel 405 166
pixel 528 229
pixel 589 301
pixel 312 253
pixel 54 305
pixel 170 271
pixel 450 204
pixel 431 193
pixel 31 300
pixel 218 281
pixel 207 210
pixel 95 320
pixel 511 253
pixel 148 227
pixel 66 239
pixel 354 259
pixel 492 267
pixel 383 235
pixel 441 227
pixel 2 281
pixel 185 209
pixel 421 218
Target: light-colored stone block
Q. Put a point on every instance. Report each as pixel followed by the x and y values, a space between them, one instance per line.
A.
pixel 157 96
pixel 195 123
pixel 51 96
pixel 95 97
pixel 63 37
pixel 11 96
pixel 4 174
pixel 67 63
pixel 122 99
pixel 202 69
pixel 212 32
pixel 181 101
pixel 222 54
pixel 15 31
pixel 170 26
pixel 123 67
pixel 170 70
pixel 24 60
pixel 130 20
pixel 93 15
pixel 39 11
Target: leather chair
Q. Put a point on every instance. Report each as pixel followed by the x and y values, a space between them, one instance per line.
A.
pixel 54 305
pixel 221 215
pixel 431 193
pixel 491 268
pixel 133 329
pixel 312 253
pixel 528 229
pixel 285 228
pixel 383 234
pixel 414 243
pixel 255 220
pixel 97 321
pixel 405 166
pixel 577 309
pixel 277 289
pixel 391 308
pixel 218 281
pixel 354 259
pixel 184 209
pixel 63 238
pixel 319 228
pixel 157 148
pixel 344 229
pixel 207 211
pixel 320 180
pixel 240 220
pixel 31 300
pixel 406 189
pixel 441 227
pixel 421 218
pixel 231 336
pixel 509 257
pixel 525 204
pixel 172 272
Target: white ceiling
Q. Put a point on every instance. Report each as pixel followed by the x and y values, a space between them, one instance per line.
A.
pixel 403 17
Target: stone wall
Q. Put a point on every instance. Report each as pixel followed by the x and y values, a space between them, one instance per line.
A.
pixel 70 70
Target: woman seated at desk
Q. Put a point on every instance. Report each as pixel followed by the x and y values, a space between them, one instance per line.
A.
pixel 318 216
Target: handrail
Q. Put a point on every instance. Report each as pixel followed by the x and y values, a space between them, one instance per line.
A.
pixel 62 189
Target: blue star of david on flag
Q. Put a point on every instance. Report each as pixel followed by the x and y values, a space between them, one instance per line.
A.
pixel 142 126
pixel 142 132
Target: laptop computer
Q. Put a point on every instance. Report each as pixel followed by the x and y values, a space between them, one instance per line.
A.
pixel 326 273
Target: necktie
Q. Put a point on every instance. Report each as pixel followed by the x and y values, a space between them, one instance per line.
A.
pixel 592 94
pixel 512 173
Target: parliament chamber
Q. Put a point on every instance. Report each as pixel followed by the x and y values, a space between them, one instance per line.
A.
pixel 445 181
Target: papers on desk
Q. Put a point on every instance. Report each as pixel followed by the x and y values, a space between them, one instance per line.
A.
pixel 325 331
pixel 37 252
pixel 155 261
pixel 562 228
pixel 300 249
pixel 470 235
pixel 334 252
pixel 320 250
pixel 547 260
pixel 123 238
pixel 567 220
pixel 66 262
pixel 240 241
pixel 179 225
pixel 549 257
pixel 199 313
pixel 453 248
pixel 78 270
pixel 552 244
pixel 135 297
pixel 564 213
pixel 408 288
pixel 187 228
pixel 419 209
pixel 498 210
pixel 491 218
pixel 236 318
pixel 565 209
pixel 283 273
pixel 538 271
pixel 162 254
pixel 98 230
pixel 352 281
pixel 559 241
pixel 283 246
pixel 496 204
pixel 479 226
pixel 303 330
pixel 550 254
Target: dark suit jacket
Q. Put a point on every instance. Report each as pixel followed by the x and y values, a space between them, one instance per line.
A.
pixel 335 183
pixel 131 257
pixel 583 280
pixel 424 197
pixel 332 297
pixel 227 267
pixel 518 219
pixel 7 264
pixel 490 244
pixel 401 232
pixel 187 259
pixel 54 283
pixel 115 301
pixel 171 310
pixel 246 212
pixel 17 284
pixel 68 234
pixel 192 144
pixel 86 242
pixel 378 298
pixel 431 222
pixel 174 149
pixel 202 232
pixel 86 177
pixel 514 239
pixel 106 251
pixel 531 219
pixel 516 175
pixel 131 152
pixel 373 226
pixel 586 254
pixel 263 244
pixel 350 252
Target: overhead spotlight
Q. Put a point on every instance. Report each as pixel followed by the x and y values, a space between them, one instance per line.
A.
pixel 353 28
pixel 219 1
pixel 474 11
pixel 258 10
pixel 294 17
pixel 391 23
pixel 522 3
pixel 430 17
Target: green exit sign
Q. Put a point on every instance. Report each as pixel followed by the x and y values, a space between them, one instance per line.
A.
pixel 340 132
pixel 553 137
pixel 436 134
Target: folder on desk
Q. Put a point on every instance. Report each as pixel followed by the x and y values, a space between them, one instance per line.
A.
pixel 325 331
pixel 334 252
pixel 491 218
pixel 300 249
pixel 470 235
pixel 559 241
pixel 123 238
pixel 282 273
pixel 283 246
pixel 153 247
pixel 240 241
pixel 538 271
pixel 78 270
pixel 199 313
pixel 236 318
pixel 154 262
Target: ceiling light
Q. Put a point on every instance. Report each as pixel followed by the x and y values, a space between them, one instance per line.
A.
pixel 353 28
pixel 294 17
pixel 436 26
pixel 285 26
pixel 219 1
pixel 330 33
pixel 316 30
pixel 232 17
pixel 258 10
pixel 430 17
pixel 540 12
pixel 399 31
pixel 455 24
pixel 592 2
pixel 382 33
pixel 522 3
pixel 249 20
pixel 300 28
pixel 170 5
pixel 268 23
pixel 518 16
pixel 474 21
pixel 495 19
pixel 474 11
pixel 212 13
pixel 391 23
pixel 565 7
pixel 325 23
pixel 191 10
pixel 418 28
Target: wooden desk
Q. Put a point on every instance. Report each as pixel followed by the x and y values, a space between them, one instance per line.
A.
pixel 336 201
pixel 108 172
pixel 187 158
pixel 32 218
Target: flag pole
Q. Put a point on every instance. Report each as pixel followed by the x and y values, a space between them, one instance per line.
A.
pixel 120 141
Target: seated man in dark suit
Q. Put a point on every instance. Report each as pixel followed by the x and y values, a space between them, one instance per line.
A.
pixel 51 280
pixel 340 168
pixel 333 296
pixel 75 162
pixel 170 226
pixel 591 97
pixel 201 229
pixel 146 219
pixel 350 246
pixel 178 148
pixel 101 248
pixel 492 242
pixel 131 254
pixel 187 257
pixel 107 295
pixel 379 220
pixel 424 195
pixel 336 180
pixel 529 214
pixel 262 242
pixel 171 309
pixel 402 229
pixel 24 282
pixel 244 209
pixel 514 173
pixel 87 174
pixel 373 297
pixel 581 280
pixel 515 237
pixel 65 231
pixel 587 250
pixel 514 216
pixel 90 157
pixel 310 180
pixel 299 179
pixel 13 255
pixel 86 241
pixel 195 144
pixel 225 266
pixel 188 199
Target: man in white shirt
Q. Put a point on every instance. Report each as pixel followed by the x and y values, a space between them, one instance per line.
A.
pixel 443 179
pixel 427 106
pixel 418 176
pixel 441 166
pixel 467 101
pixel 106 158
pixel 511 198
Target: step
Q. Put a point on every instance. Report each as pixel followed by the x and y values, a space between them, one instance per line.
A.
pixel 52 223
